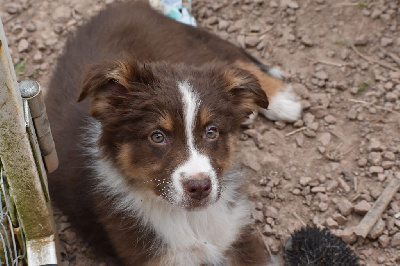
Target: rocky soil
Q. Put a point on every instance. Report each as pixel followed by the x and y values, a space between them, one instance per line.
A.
pixel 328 169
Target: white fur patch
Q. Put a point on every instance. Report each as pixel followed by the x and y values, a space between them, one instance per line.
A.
pixel 187 237
pixel 275 72
pixel 197 162
pixel 283 106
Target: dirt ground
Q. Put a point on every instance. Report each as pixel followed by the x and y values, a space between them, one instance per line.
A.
pixel 328 169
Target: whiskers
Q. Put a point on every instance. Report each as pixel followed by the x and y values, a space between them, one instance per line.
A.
pixel 164 186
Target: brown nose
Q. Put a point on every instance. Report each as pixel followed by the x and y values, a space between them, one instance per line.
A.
pixel 196 188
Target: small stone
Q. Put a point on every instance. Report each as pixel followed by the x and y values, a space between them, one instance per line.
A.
pixel 323 206
pixel 321 75
pixel 223 24
pixel 296 191
pixel 362 162
pixel 258 216
pixel 62 14
pixel 293 5
pixel 390 156
pixel 306 40
pixel 384 240
pixel 330 119
pixel 319 111
pixel 331 185
pixel 387 164
pixel 301 90
pixel 309 133
pixel 386 41
pixel 318 189
pixel 37 57
pixel 271 212
pixel 344 185
pixel 308 118
pixel 345 207
pixel 212 20
pixel 274 245
pixel 305 180
pixel 267 230
pixel 31 27
pixel 395 240
pixel 299 140
pixel 251 41
pixel 374 145
pixel 340 219
pixel 376 169
pixel 259 206
pixel 375 158
pixel 325 138
pixel 381 260
pixel 375 191
pixel 361 40
pixel 13 8
pixel 391 97
pixel 348 236
pixel 280 125
pixel 362 207
pixel 331 224
pixel 23 45
pixel 273 4
pixel 352 114
pixel 377 229
pixel 313 126
pixel 298 124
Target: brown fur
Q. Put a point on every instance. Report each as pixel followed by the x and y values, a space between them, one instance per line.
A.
pixel 133 92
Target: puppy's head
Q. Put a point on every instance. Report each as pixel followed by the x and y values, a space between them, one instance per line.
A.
pixel 169 129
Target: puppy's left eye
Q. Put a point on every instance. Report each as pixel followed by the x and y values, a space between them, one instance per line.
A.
pixel 211 132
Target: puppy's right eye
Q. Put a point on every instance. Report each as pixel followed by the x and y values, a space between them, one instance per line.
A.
pixel 158 137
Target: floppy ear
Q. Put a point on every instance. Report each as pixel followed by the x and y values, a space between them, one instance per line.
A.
pixel 245 90
pixel 108 82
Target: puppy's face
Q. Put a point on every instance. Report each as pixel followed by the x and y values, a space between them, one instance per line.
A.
pixel 169 129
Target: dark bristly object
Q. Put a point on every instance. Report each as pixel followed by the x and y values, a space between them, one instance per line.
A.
pixel 313 246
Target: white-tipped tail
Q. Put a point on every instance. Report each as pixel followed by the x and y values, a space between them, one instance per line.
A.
pixel 284 106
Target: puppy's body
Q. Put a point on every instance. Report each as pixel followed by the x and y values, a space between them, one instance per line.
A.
pixel 145 168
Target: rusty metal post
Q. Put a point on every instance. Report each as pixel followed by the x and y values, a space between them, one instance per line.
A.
pixel 21 169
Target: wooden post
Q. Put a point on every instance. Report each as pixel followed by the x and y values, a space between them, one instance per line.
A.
pixel 21 170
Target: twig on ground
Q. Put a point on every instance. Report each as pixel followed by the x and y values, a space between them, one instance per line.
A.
pixel 370 219
pixel 263 240
pixel 8 19
pixel 394 57
pixel 372 60
pixel 355 197
pixel 376 106
pixel 295 131
pixel 325 62
pixel 355 184
pixel 360 3
pixel 298 218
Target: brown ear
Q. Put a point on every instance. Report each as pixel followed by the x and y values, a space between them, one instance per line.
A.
pixel 246 90
pixel 107 82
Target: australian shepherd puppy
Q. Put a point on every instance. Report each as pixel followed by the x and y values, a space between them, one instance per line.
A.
pixel 146 162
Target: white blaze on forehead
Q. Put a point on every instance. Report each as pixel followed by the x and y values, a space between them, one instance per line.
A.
pixel 196 162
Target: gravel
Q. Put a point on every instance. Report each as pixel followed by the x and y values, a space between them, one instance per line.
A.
pixel 350 110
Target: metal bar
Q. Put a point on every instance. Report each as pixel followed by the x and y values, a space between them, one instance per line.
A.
pixel 20 168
